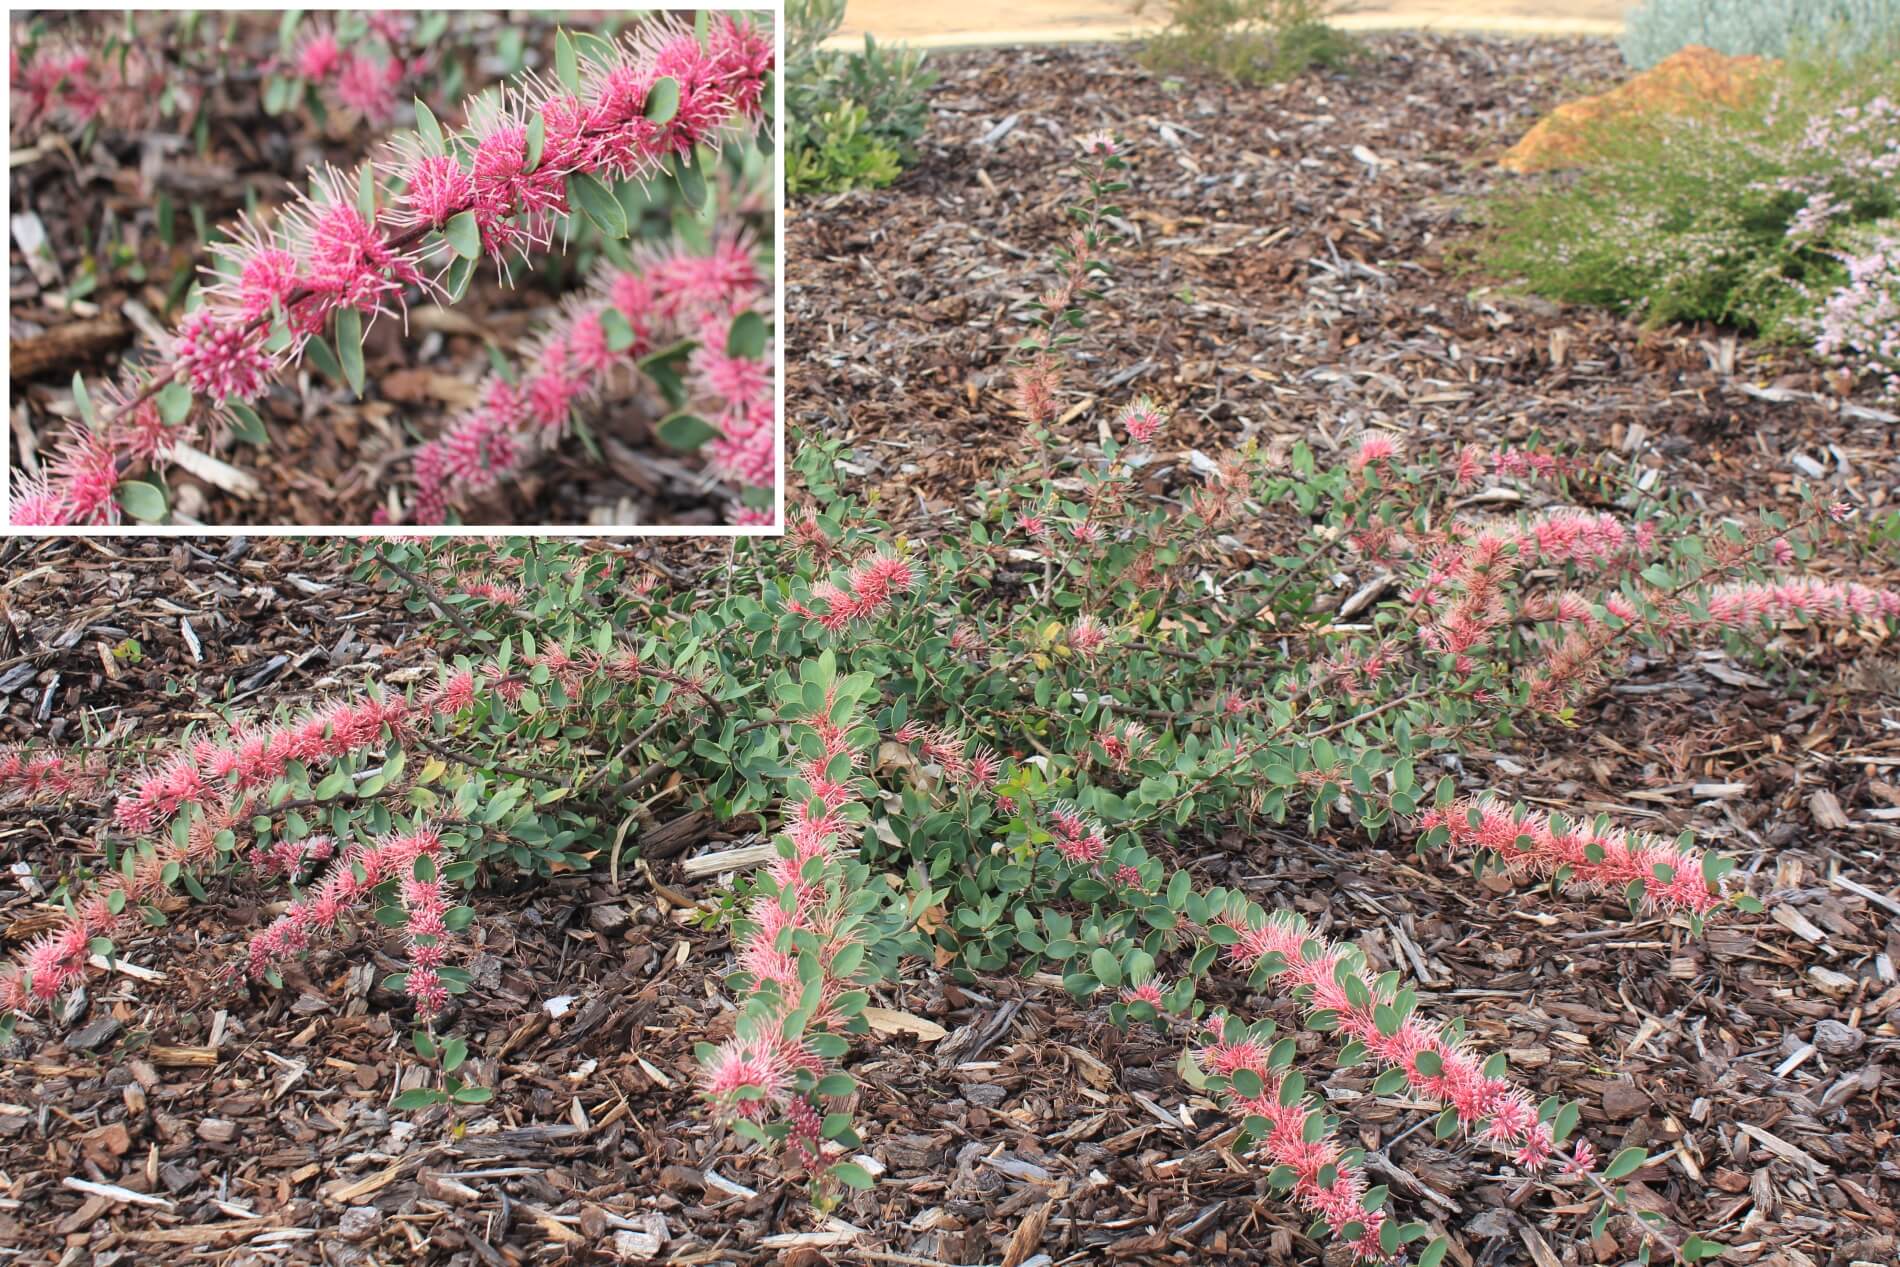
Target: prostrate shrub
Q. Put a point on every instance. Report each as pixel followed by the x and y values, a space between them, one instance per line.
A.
pixel 1750 217
pixel 437 205
pixel 1017 728
pixel 1769 28
pixel 1254 42
pixel 852 119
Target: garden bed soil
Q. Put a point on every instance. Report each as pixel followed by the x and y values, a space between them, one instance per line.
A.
pixel 1280 287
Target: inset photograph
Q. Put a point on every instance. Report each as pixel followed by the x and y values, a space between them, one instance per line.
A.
pixel 350 269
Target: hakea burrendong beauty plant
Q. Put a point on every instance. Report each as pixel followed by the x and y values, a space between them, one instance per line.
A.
pixel 668 292
pixel 349 251
pixel 802 949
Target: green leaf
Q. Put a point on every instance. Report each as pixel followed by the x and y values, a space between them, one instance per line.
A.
pixel 83 400
pixel 416 1098
pixel 684 432
pixel 142 501
pixel 1434 1254
pixel 692 181
pixel 429 130
pixel 746 339
pixel 663 100
pixel 460 272
pixel 567 67
pixel 852 1175
pixel 537 141
pixel 318 350
pixel 1624 1163
pixel 464 235
pixel 585 190
pixel 349 346
pixel 174 403
pixel 618 330
pixel 366 192
pixel 246 425
pixel 473 1095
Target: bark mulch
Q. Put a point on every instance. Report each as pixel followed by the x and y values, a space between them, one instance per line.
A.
pixel 1012 1126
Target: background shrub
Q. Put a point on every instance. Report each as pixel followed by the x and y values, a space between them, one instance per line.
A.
pixel 1252 42
pixel 1739 216
pixel 1772 28
pixel 853 119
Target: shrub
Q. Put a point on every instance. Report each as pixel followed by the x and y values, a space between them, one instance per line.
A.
pixel 1253 42
pixel 1739 216
pixel 853 119
pixel 532 162
pixel 1860 323
pixel 1015 729
pixel 1853 29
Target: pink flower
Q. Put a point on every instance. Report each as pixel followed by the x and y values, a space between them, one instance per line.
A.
pixel 85 470
pixel 224 357
pixel 1143 420
pixel 1099 144
pixel 1374 448
pixel 1087 636
pixel 368 85
pixel 318 56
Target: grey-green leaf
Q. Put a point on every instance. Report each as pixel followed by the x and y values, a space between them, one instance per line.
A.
pixel 567 67
pixel 174 403
pixel 349 347
pixel 685 432
pixel 465 236
pixel 746 339
pixel 429 130
pixel 663 100
pixel 598 202
pixel 83 400
pixel 537 141
pixel 142 501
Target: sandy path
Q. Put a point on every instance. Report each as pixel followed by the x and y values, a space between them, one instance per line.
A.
pixel 934 24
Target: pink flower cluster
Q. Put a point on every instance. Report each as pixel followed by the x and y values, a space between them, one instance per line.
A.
pixel 1528 842
pixel 800 916
pixel 252 757
pixel 1078 837
pixel 66 87
pixel 1324 1184
pixel 975 771
pixel 57 961
pixel 1743 605
pixel 867 592
pixel 669 292
pixel 216 778
pixel 348 884
pixel 1436 1067
pixel 41 774
pixel 1859 325
pixel 356 78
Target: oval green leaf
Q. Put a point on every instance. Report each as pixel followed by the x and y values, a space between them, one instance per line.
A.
pixel 464 235
pixel 746 338
pixel 429 130
pixel 143 502
pixel 584 190
pixel 567 67
pixel 349 347
pixel 663 100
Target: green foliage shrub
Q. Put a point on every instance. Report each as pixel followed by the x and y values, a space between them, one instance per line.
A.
pixel 852 119
pixel 1254 42
pixel 1735 215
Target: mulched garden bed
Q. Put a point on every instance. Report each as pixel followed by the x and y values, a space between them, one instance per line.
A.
pixel 1016 1127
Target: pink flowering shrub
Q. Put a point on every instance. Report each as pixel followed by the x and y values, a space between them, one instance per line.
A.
pixel 1859 324
pixel 535 160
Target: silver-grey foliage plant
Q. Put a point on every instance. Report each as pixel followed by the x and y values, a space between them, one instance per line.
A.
pixel 1772 28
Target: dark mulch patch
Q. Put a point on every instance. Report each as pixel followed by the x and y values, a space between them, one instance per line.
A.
pixel 1753 1062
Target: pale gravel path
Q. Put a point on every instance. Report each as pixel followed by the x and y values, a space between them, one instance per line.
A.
pixel 981 22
